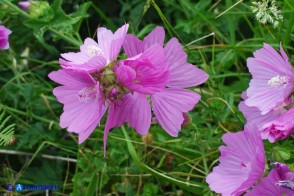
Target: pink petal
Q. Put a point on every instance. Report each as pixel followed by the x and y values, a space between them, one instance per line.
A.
pixel 139 112
pixel 132 45
pixel 116 117
pixel 169 106
pixel 73 78
pixel 117 42
pixel 138 116
pixel 111 43
pixel 4 36
pixel 88 43
pixel 183 74
pixel 85 134
pixel 77 115
pixel 156 36
pixel 76 58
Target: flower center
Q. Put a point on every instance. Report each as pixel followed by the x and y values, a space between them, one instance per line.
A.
pixel 94 50
pixel 246 167
pixel 278 81
pixel 87 94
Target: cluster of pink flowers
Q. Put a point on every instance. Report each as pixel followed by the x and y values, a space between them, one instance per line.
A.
pixel 150 81
pixel 269 115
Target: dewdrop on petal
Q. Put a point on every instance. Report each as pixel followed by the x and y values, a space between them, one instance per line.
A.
pixel 267 12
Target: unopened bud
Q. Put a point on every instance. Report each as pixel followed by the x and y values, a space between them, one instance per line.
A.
pixel 24 5
pixel 40 10
pixel 108 77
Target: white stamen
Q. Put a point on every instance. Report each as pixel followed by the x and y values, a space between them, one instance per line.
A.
pixel 86 94
pixel 288 184
pixel 94 50
pixel 278 81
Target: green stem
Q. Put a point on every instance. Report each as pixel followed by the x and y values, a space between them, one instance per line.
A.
pixel 184 184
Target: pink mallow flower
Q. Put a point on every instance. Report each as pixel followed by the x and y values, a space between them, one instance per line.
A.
pixel 4 35
pixel 280 181
pixel 242 163
pixel 95 56
pixel 24 5
pixel 274 125
pixel 82 99
pixel 272 80
pixel 279 128
pixel 149 62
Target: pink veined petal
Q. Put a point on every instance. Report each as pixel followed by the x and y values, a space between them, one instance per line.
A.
pixel 111 43
pixel 116 117
pixel 132 45
pixel 88 43
pixel 134 109
pixel 272 57
pixel 183 74
pixel 95 64
pixel 65 94
pixel 104 40
pixel 73 78
pixel 75 58
pixel 85 134
pixel 156 36
pixel 268 100
pixel 92 64
pixel 117 42
pixel 78 116
pixel 139 112
pixel 169 106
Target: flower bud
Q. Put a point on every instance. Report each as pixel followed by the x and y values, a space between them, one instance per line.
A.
pixel 40 10
pixel 24 5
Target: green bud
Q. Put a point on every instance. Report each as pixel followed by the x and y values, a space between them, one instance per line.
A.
pixel 41 10
pixel 280 155
pixel 108 77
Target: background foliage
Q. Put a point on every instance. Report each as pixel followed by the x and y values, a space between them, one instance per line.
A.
pixel 40 152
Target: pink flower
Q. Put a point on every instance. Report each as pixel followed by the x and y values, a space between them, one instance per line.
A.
pixel 274 125
pixel 4 34
pixel 242 163
pixel 95 56
pixel 146 73
pixel 24 5
pixel 82 99
pixel 272 79
pixel 279 128
pixel 168 96
pixel 280 181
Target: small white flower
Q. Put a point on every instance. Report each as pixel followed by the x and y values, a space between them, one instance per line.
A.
pixel 267 12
